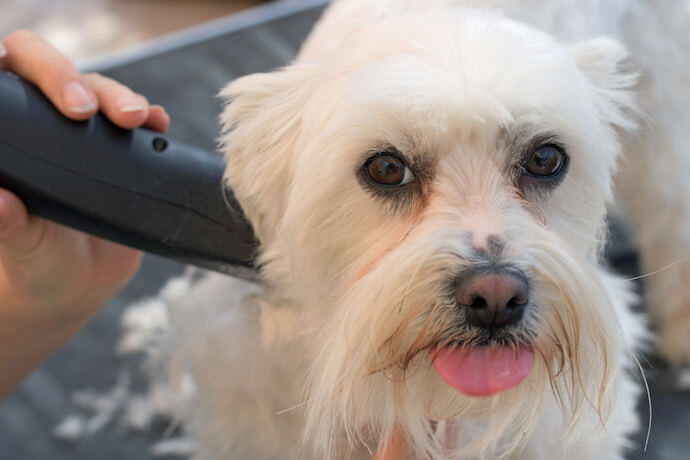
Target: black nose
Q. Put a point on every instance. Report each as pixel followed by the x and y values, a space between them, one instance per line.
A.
pixel 492 297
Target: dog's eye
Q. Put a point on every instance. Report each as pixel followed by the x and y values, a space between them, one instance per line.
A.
pixel 546 161
pixel 388 170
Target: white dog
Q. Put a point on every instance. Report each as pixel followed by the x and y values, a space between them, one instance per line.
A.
pixel 429 182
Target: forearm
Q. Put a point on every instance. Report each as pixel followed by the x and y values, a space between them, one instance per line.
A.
pixel 35 323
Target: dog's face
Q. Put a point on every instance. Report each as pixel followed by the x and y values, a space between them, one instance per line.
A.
pixel 430 199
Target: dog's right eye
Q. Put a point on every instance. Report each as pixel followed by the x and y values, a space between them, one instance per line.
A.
pixel 546 161
pixel 388 170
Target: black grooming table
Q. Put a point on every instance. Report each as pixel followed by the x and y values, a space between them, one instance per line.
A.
pixel 184 73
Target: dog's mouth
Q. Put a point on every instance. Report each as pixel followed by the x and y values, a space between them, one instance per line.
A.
pixel 483 370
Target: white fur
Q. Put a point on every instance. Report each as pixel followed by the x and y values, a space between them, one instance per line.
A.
pixel 305 367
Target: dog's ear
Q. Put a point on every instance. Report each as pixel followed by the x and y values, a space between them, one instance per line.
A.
pixel 605 62
pixel 260 126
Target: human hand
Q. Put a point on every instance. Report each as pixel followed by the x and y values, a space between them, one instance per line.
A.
pixel 54 279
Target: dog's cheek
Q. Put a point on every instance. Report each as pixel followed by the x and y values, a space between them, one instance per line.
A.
pixel 337 231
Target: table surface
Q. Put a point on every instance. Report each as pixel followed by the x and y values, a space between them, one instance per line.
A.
pixel 185 80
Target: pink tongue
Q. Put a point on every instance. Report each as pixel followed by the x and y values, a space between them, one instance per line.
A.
pixel 483 371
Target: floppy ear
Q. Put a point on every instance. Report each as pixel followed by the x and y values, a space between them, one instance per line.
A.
pixel 260 127
pixel 603 60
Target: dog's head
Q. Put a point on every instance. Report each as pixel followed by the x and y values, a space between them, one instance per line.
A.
pixel 430 200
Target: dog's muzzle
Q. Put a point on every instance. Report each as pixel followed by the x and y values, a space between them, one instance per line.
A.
pixel 492 298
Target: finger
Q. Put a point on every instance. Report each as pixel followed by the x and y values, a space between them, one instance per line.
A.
pixel 158 120
pixel 32 58
pixel 20 233
pixel 120 104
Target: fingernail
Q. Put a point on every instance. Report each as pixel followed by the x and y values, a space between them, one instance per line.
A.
pixel 76 98
pixel 3 51
pixel 129 103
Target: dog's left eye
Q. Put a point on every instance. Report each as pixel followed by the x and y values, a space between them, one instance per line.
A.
pixel 388 170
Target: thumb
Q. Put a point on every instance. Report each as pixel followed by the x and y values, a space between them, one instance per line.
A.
pixel 20 233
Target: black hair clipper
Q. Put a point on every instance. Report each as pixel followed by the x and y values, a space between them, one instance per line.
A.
pixel 135 187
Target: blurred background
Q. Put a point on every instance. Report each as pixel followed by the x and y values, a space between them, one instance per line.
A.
pixel 84 29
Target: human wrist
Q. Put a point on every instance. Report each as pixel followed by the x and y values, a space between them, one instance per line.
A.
pixel 29 334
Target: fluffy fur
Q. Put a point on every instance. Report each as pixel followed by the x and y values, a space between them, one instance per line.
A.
pixel 331 354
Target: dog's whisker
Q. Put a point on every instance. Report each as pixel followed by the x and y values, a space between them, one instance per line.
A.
pixel 291 408
pixel 649 400
pixel 660 270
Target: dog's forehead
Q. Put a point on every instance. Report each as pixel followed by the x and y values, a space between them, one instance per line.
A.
pixel 460 66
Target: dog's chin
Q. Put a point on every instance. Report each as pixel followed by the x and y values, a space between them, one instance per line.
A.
pixel 471 377
pixel 489 383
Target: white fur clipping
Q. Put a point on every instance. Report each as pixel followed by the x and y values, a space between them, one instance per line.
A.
pixel 683 381
pixel 70 429
pixel 180 447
